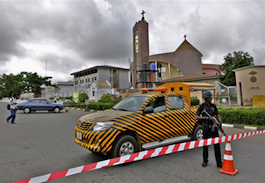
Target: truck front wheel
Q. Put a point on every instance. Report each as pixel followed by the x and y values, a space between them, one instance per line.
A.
pixel 198 132
pixel 125 145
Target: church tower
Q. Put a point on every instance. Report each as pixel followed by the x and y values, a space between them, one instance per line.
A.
pixel 140 50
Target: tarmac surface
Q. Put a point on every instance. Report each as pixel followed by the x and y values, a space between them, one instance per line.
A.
pixel 43 142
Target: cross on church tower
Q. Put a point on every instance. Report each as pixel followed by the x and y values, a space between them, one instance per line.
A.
pixel 185 36
pixel 143 12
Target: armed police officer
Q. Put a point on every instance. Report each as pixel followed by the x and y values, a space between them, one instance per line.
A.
pixel 207 112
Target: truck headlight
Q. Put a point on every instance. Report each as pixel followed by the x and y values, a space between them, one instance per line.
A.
pixel 100 126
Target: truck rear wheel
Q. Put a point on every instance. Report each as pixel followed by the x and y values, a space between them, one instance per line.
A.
pixel 125 145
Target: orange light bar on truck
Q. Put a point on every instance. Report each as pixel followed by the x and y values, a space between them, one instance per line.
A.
pixel 162 89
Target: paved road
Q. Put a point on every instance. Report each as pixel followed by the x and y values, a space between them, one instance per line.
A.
pixel 42 143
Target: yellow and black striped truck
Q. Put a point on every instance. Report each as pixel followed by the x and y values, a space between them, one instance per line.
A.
pixel 154 115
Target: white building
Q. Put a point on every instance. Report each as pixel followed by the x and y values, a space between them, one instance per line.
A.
pixel 97 89
pixel 117 77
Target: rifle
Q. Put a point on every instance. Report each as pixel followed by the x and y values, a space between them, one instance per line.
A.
pixel 215 123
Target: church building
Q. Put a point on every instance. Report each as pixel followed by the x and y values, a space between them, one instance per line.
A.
pixel 149 70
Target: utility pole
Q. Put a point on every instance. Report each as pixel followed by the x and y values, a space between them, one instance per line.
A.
pixel 46 69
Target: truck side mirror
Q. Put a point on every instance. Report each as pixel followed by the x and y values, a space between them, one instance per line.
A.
pixel 149 109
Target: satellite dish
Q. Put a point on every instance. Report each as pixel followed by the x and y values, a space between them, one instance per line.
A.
pixel 223 100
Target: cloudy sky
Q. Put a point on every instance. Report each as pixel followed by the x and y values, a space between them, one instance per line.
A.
pixel 71 35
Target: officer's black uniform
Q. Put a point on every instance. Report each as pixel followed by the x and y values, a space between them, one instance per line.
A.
pixel 207 131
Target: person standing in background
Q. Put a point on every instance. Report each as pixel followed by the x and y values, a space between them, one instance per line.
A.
pixel 13 109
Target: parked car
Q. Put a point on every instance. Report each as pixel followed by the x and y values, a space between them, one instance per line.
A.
pixel 39 104
pixel 136 121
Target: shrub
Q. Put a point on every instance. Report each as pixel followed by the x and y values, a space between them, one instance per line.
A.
pixel 106 98
pixel 115 101
pixel 243 116
pixel 51 98
pixel 82 97
pixel 194 101
pixel 99 106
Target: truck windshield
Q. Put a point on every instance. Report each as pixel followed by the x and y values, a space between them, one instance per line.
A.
pixel 132 103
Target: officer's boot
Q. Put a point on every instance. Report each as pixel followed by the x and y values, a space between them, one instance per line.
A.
pixel 205 163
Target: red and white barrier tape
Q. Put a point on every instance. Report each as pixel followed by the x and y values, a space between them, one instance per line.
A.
pixel 140 156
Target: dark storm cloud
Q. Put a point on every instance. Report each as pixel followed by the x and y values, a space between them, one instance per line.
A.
pixel 88 33
pixel 9 33
pixel 238 26
pixel 78 26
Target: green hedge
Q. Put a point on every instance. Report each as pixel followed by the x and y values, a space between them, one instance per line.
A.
pixel 243 116
pixel 92 105
pixel 70 98
pixel 195 101
pixel 99 106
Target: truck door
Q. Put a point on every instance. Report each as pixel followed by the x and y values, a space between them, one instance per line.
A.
pixel 158 120
pixel 180 115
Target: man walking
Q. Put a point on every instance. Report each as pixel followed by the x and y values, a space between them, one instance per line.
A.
pixel 13 109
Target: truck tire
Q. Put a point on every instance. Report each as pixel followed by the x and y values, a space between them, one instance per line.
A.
pixel 198 132
pixel 125 145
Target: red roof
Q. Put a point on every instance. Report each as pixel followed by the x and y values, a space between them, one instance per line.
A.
pixel 194 77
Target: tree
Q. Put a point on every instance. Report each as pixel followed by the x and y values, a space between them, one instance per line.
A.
pixel 234 61
pixel 23 82
pixel 82 97
pixel 106 98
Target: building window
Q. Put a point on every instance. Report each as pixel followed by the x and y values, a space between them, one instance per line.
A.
pixel 95 78
pixel 93 93
pixel 88 79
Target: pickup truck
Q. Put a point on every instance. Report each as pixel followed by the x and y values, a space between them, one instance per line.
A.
pixel 152 116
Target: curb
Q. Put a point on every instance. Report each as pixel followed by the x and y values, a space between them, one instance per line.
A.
pixel 243 127
pixel 79 109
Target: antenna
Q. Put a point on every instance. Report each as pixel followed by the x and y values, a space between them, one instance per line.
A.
pixel 129 60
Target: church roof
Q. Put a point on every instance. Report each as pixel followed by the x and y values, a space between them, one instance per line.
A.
pixel 186 46
pixel 212 67
pixel 189 78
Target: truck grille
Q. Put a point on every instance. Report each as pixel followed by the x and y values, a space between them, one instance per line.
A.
pixel 84 125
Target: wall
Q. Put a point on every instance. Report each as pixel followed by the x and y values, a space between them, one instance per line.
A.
pixel 252 83
pixel 124 79
pixel 174 72
pixel 103 74
pixel 189 62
